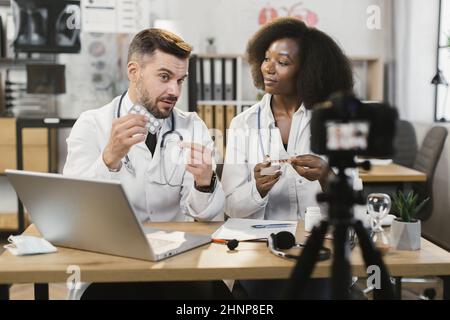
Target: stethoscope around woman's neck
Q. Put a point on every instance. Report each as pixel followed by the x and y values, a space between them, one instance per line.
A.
pixel 261 144
pixel 128 165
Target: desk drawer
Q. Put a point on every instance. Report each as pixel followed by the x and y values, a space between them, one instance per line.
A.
pixel 30 136
pixel 34 137
pixel 35 158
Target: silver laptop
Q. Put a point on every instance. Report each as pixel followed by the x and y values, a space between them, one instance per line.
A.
pixel 94 215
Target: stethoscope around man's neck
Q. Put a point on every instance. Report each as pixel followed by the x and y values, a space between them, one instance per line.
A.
pixel 128 165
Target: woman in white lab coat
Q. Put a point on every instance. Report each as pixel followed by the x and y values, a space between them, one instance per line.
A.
pixel 297 67
pixel 160 154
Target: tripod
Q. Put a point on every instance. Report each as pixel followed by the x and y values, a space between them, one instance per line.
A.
pixel 341 197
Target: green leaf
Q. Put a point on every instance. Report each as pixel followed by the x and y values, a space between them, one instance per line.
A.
pixel 405 206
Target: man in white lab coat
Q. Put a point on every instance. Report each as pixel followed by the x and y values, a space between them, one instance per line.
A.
pixel 161 155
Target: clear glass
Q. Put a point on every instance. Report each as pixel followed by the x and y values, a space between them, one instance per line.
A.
pixel 378 206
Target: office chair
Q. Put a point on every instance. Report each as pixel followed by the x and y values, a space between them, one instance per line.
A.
pixel 405 144
pixel 405 152
pixel 426 162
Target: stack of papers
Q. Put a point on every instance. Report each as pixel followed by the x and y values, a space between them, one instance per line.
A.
pixel 248 229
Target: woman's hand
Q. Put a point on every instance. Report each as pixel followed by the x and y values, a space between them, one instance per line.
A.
pixel 264 183
pixel 312 168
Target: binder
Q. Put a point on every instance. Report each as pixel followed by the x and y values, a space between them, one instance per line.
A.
pixel 219 117
pixel 201 112
pixel 229 95
pixel 218 94
pixel 208 117
pixel 229 115
pixel 199 79
pixel 207 94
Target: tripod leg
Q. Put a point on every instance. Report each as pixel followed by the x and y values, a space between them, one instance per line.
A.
pixel 372 257
pixel 341 270
pixel 306 262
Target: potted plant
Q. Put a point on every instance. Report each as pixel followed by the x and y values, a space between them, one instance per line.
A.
pixel 405 230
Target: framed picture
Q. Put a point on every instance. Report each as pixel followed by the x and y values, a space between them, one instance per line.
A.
pixel 51 26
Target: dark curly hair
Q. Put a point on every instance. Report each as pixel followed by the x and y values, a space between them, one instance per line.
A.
pixel 324 69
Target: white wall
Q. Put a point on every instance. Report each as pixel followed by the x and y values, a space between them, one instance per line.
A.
pixel 232 22
pixel 416 58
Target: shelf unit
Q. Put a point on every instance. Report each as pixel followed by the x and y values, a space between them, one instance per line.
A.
pixel 225 88
pixel 372 71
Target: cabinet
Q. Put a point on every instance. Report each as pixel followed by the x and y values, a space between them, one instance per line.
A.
pixel 35 147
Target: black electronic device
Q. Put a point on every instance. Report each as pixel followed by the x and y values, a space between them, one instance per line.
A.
pixel 344 127
pixel 371 129
pixel 49 26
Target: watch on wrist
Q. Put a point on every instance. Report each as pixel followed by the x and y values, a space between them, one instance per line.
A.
pixel 210 188
pixel 114 170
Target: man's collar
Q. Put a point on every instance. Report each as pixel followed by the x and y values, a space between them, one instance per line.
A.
pixel 126 104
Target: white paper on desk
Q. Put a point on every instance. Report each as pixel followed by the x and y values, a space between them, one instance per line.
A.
pixel 241 229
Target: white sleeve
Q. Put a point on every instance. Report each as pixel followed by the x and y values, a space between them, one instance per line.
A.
pixel 242 198
pixel 84 154
pixel 202 206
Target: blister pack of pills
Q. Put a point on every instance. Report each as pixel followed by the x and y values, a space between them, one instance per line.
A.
pixel 153 123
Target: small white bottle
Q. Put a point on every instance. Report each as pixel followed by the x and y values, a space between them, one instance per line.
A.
pixel 312 218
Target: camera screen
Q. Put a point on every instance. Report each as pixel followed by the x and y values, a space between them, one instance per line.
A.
pixel 347 136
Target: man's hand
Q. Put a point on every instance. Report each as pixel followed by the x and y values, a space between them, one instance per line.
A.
pixel 126 131
pixel 264 183
pixel 199 163
pixel 312 168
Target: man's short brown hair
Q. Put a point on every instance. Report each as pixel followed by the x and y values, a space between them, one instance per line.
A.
pixel 149 40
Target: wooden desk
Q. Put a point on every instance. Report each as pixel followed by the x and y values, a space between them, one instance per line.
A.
pixel 392 173
pixel 209 262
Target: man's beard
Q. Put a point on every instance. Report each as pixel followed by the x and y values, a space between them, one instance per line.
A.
pixel 146 101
